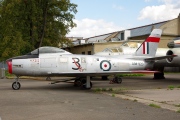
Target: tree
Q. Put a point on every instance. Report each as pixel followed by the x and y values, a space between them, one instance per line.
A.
pixel 28 24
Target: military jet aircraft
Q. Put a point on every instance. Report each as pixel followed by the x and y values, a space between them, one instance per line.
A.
pixel 175 43
pixel 52 61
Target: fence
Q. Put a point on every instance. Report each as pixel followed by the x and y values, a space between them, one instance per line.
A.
pixel 3 67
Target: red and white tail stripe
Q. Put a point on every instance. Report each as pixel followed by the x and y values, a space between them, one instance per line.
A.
pixel 150 45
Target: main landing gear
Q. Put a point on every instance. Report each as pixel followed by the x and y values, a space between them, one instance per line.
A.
pixel 16 85
pixel 116 79
pixel 82 82
pixel 159 75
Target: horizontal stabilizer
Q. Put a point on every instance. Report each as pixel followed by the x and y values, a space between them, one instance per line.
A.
pixel 159 58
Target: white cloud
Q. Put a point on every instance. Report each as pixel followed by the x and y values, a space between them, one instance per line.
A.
pixel 168 10
pixel 117 7
pixel 89 28
pixel 147 0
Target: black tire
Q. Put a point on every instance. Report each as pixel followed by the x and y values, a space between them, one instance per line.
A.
pixel 77 83
pixel 16 85
pixel 104 77
pixel 119 80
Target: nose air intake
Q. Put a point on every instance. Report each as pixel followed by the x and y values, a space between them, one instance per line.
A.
pixel 9 63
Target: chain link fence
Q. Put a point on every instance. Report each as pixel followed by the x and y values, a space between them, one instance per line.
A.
pixel 3 67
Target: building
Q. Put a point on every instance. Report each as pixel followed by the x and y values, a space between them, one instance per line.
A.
pixel 92 45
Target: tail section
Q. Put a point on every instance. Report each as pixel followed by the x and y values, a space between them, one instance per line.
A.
pixel 150 45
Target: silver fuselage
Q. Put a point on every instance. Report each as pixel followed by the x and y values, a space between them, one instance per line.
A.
pixel 75 65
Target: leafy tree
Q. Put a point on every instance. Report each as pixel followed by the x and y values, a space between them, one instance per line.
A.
pixel 28 24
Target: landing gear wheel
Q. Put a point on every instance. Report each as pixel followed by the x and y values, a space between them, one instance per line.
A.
pixel 77 83
pixel 119 80
pixel 159 75
pixel 16 85
pixel 81 82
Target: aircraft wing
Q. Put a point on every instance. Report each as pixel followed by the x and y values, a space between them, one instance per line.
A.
pixel 159 58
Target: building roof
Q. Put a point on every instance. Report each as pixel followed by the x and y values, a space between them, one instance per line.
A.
pixel 144 30
pixel 97 38
pixel 138 31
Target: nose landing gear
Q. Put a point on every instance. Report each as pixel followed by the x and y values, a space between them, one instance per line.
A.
pixel 16 85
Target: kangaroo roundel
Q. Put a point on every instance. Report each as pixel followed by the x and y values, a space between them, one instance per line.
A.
pixel 105 65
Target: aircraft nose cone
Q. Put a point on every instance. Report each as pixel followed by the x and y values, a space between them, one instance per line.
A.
pixel 9 63
pixel 171 44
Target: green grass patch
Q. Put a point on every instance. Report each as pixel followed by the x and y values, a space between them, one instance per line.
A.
pixel 113 95
pixel 8 75
pixel 178 86
pixel 110 89
pixel 129 75
pixel 178 111
pixel 103 90
pixel 154 105
pixel 119 90
pixel 177 105
pixel 163 102
pixel 97 90
pixel 171 87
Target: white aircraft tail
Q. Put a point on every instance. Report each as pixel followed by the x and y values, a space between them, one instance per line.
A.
pixel 150 45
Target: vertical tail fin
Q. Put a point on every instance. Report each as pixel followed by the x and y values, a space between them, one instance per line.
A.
pixel 150 45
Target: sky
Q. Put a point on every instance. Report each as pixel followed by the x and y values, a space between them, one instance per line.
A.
pixel 97 17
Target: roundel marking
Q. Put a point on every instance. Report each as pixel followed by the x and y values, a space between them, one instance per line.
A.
pixel 105 65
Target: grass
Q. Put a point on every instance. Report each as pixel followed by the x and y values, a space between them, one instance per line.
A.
pixel 113 95
pixel 103 90
pixel 154 105
pixel 8 75
pixel 110 89
pixel 171 87
pixel 129 75
pixel 97 90
pixel 177 105
pixel 178 111
pixel 163 102
pixel 119 90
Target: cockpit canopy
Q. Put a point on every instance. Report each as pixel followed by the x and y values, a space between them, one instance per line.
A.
pixel 123 48
pixel 47 49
